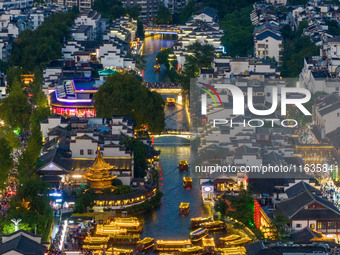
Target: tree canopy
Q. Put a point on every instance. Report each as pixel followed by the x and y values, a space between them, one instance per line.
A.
pixel 39 47
pixel 296 49
pixel 163 15
pixel 140 152
pixel 5 159
pixel 15 109
pixel 124 94
pixel 238 33
pixel 111 9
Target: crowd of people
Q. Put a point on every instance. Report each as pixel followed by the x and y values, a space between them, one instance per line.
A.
pixel 162 85
pixel 6 195
pixel 4 204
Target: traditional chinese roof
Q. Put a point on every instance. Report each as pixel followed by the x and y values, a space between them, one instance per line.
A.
pixel 99 163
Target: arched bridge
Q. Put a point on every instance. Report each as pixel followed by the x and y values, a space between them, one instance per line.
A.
pixel 182 134
pixel 172 30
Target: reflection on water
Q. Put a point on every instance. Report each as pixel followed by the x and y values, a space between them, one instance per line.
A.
pixel 152 45
pixel 175 116
pixel 164 222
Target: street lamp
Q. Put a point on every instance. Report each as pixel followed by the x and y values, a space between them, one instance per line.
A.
pixel 16 223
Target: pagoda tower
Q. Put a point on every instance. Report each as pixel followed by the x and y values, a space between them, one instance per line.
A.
pixel 98 175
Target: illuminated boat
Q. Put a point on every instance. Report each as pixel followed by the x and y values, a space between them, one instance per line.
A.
pixel 96 240
pixel 231 251
pixel 187 182
pixel 208 245
pixel 198 234
pixel 131 224
pixel 184 208
pixel 214 225
pixel 230 238
pixel 125 239
pixel 157 68
pixel 145 244
pixel 93 247
pixel 170 101
pixel 239 242
pixel 183 165
pixel 117 251
pixel 110 229
pixel 172 245
pixel 191 250
pixel 196 222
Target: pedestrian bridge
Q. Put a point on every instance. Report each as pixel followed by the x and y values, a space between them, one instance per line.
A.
pixel 167 90
pixel 172 30
pixel 182 134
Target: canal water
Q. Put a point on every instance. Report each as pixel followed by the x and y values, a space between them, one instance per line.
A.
pixel 165 222
pixel 153 45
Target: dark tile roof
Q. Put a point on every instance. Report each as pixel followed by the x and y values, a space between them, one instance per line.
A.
pixel 334 39
pixel 294 207
pixel 23 245
pixel 301 187
pixel 268 33
pixel 208 11
pixel 304 235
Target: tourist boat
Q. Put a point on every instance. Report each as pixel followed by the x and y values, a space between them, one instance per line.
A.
pixel 214 225
pixel 196 222
pixel 184 208
pixel 132 224
pixel 187 182
pixel 170 101
pixel 191 250
pixel 96 240
pixel 239 242
pixel 231 251
pixel 145 244
pixel 109 229
pixel 208 245
pixel 198 234
pixel 230 238
pixel 125 239
pixel 172 245
pixel 93 247
pixel 183 165
pixel 157 68
pixel 117 251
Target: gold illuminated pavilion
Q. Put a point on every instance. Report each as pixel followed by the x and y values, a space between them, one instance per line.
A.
pixel 98 175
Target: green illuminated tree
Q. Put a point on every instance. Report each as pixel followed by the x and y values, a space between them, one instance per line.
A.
pixel 124 94
pixel 6 161
pixel 163 15
pixel 15 109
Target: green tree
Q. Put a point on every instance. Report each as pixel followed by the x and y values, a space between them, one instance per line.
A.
pixel 140 30
pixel 221 207
pixel 133 11
pixel 139 151
pixel 6 161
pixel 37 48
pixel 122 190
pixel 124 94
pixel 15 109
pixel 163 15
pixel 243 207
pixel 280 226
pixel 31 204
pixel 85 201
pixel 333 27
pixel 111 9
pixel 9 227
pixel 185 13
pixel 238 33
